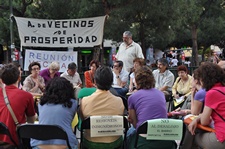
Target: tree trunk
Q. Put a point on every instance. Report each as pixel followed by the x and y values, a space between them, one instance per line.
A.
pixel 194 46
pixel 142 39
pixel 203 53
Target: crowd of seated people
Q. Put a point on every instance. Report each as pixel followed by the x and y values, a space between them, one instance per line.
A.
pixel 202 88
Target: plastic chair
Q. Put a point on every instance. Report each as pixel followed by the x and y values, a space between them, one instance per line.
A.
pixel 5 131
pixel 86 125
pixel 41 132
pixel 143 129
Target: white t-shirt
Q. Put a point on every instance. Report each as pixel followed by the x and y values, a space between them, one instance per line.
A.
pixel 174 62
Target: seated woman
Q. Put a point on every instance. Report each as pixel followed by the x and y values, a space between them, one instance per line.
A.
pixel 51 72
pixel 138 62
pixel 197 99
pixel 212 78
pixel 57 107
pixel 34 83
pixel 145 104
pixel 181 89
pixel 89 75
pixel 197 95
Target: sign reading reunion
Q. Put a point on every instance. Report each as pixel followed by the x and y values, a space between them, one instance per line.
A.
pixel 85 32
pixel 46 57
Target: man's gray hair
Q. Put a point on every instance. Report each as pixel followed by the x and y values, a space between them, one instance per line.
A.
pixel 164 62
pixel 128 33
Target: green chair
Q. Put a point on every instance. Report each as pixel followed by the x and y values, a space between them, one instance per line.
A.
pixel 159 134
pixel 86 92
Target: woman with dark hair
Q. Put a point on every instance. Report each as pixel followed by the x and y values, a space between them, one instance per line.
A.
pixel 181 89
pixel 89 75
pixel 101 102
pixel 145 104
pixel 138 62
pixel 212 78
pixel 57 107
pixel 34 83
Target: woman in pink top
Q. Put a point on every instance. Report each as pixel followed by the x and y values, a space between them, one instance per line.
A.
pixel 212 78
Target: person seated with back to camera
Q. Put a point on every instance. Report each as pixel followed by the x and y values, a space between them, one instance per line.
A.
pixel 21 102
pixel 145 104
pixel 101 102
pixel 34 83
pixel 51 72
pixel 57 106
pixel 120 78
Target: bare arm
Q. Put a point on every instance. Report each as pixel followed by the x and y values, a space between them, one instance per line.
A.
pixel 31 119
pixel 132 117
pixel 205 116
pixel 164 88
pixel 196 107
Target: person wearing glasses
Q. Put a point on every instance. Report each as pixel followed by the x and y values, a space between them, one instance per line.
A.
pixel 34 83
pixel 51 72
pixel 128 51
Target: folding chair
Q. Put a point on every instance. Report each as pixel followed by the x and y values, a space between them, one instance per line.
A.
pixel 5 131
pixel 161 133
pixel 169 99
pixel 41 132
pixel 86 125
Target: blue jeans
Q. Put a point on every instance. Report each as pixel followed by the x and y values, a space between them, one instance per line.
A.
pixel 121 91
pixel 131 135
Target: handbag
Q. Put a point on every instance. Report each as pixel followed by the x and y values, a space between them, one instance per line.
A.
pixel 9 107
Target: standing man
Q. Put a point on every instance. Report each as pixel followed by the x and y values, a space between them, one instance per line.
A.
pixel 21 102
pixel 120 78
pixel 71 75
pixel 128 51
pixel 163 77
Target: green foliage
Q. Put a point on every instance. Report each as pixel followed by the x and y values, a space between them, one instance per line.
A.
pixel 161 23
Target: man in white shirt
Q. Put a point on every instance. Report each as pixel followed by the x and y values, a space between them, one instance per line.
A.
pixel 120 78
pixel 71 75
pixel 128 51
pixel 164 78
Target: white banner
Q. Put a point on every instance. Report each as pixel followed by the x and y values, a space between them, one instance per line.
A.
pixel 46 57
pixel 106 126
pixel 85 32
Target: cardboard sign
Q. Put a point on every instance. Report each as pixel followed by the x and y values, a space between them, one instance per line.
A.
pixel 164 129
pixel 106 126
